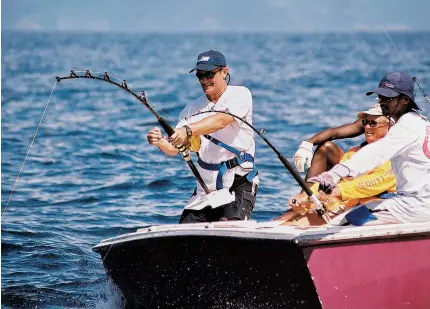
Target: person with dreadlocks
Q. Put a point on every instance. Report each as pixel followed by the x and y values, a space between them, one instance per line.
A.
pixel 226 153
pixel 406 145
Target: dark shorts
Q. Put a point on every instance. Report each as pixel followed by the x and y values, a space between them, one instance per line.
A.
pixel 240 209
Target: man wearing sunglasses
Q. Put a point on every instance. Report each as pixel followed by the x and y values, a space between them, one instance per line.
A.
pixel 406 145
pixel 352 191
pixel 226 154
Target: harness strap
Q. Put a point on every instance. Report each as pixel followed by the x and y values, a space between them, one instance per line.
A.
pixel 360 215
pixel 386 195
pixel 223 145
pixel 223 167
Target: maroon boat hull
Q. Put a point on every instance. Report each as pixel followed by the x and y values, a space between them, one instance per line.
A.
pixel 391 274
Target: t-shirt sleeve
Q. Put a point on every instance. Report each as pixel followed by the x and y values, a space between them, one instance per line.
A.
pixel 183 118
pixel 240 104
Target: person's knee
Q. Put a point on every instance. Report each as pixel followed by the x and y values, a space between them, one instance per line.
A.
pixel 332 152
pixel 326 147
pixel 330 147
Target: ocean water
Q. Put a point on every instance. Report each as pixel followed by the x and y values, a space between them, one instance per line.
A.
pixel 90 174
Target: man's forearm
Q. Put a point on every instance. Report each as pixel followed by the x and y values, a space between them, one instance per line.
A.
pixel 167 148
pixel 210 124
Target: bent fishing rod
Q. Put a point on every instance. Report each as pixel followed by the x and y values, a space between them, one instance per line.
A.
pixel 141 97
pixel 320 208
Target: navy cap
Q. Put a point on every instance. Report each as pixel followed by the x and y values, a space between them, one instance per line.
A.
pixel 395 83
pixel 209 61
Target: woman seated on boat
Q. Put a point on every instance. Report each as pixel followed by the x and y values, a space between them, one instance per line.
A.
pixel 351 191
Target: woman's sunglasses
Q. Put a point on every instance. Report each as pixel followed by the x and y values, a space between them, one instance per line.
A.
pixel 207 74
pixel 371 123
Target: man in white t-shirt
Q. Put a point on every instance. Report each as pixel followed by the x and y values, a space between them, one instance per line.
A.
pixel 406 145
pixel 226 154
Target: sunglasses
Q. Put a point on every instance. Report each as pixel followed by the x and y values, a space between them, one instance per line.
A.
pixel 371 123
pixel 207 74
pixel 382 99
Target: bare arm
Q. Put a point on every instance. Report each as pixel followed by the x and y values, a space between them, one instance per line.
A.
pixel 211 124
pixel 165 146
pixel 155 138
pixel 205 126
pixel 304 154
pixel 346 131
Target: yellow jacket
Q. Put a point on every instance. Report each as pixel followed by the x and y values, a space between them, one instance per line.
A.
pixel 364 188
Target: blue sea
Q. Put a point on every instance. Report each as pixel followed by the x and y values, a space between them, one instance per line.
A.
pixel 90 173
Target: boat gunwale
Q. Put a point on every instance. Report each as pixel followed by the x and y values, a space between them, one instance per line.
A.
pixel 301 237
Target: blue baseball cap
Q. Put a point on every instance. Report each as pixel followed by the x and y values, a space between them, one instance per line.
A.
pixel 210 60
pixel 395 83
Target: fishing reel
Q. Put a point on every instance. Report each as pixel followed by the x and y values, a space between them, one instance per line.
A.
pixel 330 203
pixel 193 143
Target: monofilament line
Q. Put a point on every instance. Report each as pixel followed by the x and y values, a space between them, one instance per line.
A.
pixel 382 26
pixel 128 217
pixel 29 148
pixel 410 72
pixel 138 198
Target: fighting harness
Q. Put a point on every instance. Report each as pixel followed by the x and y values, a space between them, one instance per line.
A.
pixel 224 166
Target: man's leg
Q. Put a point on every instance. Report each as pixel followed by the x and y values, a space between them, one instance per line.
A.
pixel 241 208
pixel 310 219
pixel 194 216
pixel 373 213
pixel 290 215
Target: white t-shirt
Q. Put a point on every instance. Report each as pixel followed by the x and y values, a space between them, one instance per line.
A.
pixel 236 100
pixel 407 146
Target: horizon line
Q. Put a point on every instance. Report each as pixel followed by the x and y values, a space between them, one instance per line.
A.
pixel 114 31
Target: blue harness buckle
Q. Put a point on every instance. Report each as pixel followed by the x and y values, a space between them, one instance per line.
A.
pixel 223 167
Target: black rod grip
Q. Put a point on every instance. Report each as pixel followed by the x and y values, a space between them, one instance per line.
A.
pixel 169 130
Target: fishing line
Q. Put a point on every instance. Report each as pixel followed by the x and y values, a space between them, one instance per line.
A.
pixel 138 198
pixel 40 122
pixel 141 97
pixel 409 69
pixel 29 148
pixel 128 217
pixel 31 144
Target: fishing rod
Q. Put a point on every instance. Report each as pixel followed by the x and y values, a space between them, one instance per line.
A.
pixel 320 208
pixel 141 97
pixel 185 152
pixel 422 91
